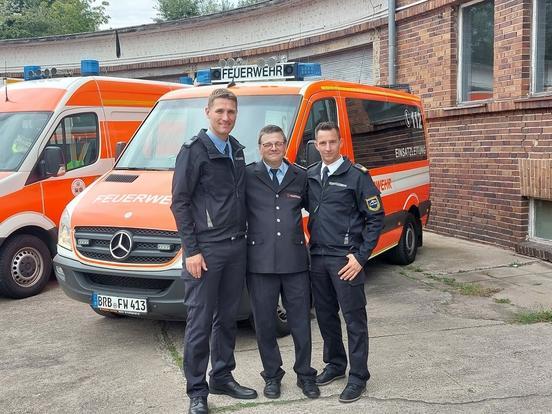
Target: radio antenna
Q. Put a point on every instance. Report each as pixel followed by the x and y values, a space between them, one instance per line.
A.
pixel 6 79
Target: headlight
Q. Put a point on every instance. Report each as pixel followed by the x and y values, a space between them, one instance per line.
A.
pixel 64 235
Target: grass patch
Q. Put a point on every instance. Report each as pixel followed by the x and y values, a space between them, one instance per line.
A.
pixel 173 352
pixel 528 317
pixel 466 288
pixel 503 300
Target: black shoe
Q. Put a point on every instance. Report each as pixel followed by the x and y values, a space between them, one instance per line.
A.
pixel 352 392
pixel 328 376
pixel 309 387
pixel 234 390
pixel 272 389
pixel 198 405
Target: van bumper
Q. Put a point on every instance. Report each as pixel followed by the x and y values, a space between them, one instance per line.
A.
pixel 164 290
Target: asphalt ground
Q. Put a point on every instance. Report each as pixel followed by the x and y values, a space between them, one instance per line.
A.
pixel 448 333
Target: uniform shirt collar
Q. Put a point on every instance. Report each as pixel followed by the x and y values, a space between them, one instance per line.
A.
pixel 282 169
pixel 219 143
pixel 332 167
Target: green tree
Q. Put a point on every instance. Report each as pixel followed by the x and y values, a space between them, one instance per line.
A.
pixel 181 9
pixel 34 18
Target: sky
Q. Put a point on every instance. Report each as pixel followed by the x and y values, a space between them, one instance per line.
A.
pixel 125 13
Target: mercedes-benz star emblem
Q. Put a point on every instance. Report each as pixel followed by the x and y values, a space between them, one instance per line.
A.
pixel 120 245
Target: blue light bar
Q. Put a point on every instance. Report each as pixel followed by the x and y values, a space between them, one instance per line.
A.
pixel 90 68
pixel 31 72
pixel 186 80
pixel 203 77
pixel 305 70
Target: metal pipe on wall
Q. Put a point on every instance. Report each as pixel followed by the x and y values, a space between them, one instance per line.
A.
pixel 392 40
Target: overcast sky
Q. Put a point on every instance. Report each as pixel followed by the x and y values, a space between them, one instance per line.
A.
pixel 125 13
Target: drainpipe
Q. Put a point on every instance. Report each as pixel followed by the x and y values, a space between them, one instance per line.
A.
pixel 392 40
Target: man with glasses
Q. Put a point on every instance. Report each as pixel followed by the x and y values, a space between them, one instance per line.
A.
pixel 277 260
pixel 209 210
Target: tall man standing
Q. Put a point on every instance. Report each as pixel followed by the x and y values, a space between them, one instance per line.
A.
pixel 346 218
pixel 209 209
pixel 277 261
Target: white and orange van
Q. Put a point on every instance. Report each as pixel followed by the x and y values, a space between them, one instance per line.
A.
pixel 119 250
pixel 56 137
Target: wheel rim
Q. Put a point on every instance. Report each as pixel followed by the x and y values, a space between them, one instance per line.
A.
pixel 410 239
pixel 27 267
pixel 282 314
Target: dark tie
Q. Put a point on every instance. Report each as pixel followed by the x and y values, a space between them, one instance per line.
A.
pixel 275 182
pixel 325 172
pixel 227 150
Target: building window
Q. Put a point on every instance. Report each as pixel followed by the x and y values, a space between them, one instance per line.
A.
pixel 542 46
pixel 476 51
pixel 541 220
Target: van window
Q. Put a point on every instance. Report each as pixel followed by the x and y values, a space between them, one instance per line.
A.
pixel 323 110
pixel 78 137
pixel 385 133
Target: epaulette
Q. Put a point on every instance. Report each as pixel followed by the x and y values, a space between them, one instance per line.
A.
pixel 361 168
pixel 300 166
pixel 312 165
pixel 251 163
pixel 189 142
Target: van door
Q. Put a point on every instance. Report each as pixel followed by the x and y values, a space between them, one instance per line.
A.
pixel 78 135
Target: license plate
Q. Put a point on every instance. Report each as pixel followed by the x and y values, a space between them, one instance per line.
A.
pixel 119 304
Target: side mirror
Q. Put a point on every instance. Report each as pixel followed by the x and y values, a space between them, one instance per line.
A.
pixel 119 148
pixel 53 163
pixel 312 153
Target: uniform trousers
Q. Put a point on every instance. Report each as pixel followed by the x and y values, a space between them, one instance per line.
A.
pixel 331 294
pixel 212 303
pixel 265 290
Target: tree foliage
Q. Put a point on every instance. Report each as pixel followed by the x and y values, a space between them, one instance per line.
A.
pixel 35 18
pixel 181 9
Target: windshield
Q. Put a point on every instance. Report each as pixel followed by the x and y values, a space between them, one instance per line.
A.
pixel 18 133
pixel 171 123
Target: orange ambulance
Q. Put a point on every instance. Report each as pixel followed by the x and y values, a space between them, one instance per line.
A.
pixel 119 250
pixel 56 137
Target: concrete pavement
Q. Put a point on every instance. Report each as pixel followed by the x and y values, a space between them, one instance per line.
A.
pixel 443 339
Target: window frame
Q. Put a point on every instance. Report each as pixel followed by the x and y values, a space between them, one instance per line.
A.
pixel 534 60
pixel 460 72
pixel 532 217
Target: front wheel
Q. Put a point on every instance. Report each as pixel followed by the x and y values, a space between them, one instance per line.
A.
pixel 405 252
pixel 25 266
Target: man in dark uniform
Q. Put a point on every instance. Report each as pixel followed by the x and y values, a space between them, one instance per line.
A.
pixel 209 209
pixel 277 261
pixel 346 218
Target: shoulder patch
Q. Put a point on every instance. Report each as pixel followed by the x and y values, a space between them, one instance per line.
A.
pixel 190 142
pixel 299 166
pixel 361 168
pixel 373 203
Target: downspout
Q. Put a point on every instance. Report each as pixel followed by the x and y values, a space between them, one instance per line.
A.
pixel 392 40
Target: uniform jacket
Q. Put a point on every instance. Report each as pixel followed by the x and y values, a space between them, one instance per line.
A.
pixel 275 236
pixel 208 193
pixel 346 215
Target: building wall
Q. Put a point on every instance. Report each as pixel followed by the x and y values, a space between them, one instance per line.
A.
pixel 475 148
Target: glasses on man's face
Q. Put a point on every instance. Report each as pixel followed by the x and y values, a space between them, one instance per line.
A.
pixel 278 144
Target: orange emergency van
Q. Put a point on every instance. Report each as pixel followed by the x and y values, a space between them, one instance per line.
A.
pixel 56 137
pixel 119 250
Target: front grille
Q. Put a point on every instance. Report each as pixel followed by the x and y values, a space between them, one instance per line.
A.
pixel 144 250
pixel 138 283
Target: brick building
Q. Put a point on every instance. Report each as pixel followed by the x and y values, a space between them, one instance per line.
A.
pixel 484 71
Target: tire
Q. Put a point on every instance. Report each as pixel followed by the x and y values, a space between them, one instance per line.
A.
pixel 405 252
pixel 25 266
pixel 282 328
pixel 106 314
